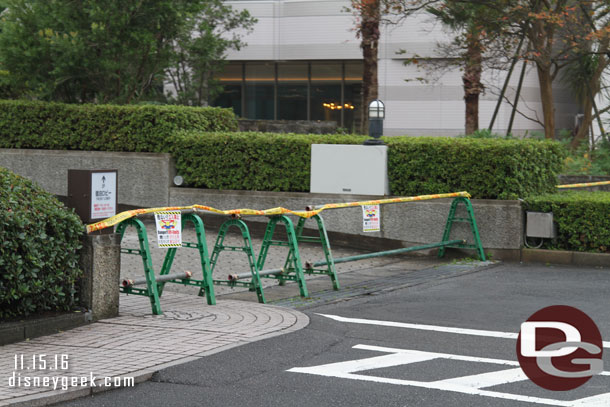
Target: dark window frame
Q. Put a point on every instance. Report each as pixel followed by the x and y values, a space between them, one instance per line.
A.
pixel 276 83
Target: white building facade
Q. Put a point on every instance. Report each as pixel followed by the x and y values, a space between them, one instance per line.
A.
pixel 304 62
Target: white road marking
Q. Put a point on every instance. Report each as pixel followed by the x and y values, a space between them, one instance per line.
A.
pixel 465 385
pixel 489 379
pixel 435 328
pixel 440 355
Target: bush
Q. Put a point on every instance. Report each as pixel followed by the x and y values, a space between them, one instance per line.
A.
pixel 209 154
pixel 486 168
pixel 582 161
pixel 504 169
pixel 25 124
pixel 39 240
pixel 583 219
pixel 249 161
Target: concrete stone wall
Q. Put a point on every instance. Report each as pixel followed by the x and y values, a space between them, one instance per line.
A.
pixel 500 222
pixel 288 126
pixel 144 178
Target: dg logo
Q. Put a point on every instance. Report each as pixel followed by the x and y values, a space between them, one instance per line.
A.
pixel 560 348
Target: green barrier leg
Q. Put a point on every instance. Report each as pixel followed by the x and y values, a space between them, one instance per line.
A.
pixel 206 284
pixel 473 227
pixel 323 240
pixel 144 252
pixel 167 265
pixel 219 246
pixel 207 287
pixel 293 261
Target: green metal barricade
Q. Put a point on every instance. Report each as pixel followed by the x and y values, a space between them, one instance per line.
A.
pixel 293 269
pixel 154 285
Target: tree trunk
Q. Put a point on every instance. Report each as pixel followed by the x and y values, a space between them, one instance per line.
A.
pixel 545 81
pixel 472 82
pixel 370 85
pixel 369 31
pixel 583 130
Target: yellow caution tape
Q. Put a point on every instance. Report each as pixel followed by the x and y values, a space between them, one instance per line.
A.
pixel 267 212
pixel 588 184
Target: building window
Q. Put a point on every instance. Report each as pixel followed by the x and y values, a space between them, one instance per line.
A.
pixel 326 101
pixel 259 95
pixel 325 91
pixel 232 82
pixel 292 91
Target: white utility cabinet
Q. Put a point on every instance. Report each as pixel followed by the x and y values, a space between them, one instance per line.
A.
pixel 349 169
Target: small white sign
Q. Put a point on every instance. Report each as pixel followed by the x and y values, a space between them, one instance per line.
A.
pixel 169 229
pixel 103 195
pixel 371 220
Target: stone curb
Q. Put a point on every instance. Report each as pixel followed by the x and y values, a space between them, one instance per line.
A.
pixel 565 257
pixel 12 332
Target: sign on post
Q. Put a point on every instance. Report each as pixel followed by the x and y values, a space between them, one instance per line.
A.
pixel 93 194
pixel 103 195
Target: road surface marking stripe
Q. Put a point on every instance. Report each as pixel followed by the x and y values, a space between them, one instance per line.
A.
pixel 489 379
pixel 439 355
pixel 397 357
pixel 436 328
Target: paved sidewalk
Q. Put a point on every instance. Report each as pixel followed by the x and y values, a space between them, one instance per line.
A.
pixel 136 344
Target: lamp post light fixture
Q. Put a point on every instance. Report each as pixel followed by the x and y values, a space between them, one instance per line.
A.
pixel 376 116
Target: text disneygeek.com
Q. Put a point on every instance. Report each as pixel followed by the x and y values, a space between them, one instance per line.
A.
pixel 65 382
pixel 46 365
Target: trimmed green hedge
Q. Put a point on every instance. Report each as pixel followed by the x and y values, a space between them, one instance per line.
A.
pixel 39 242
pixel 486 168
pixel 249 161
pixel 209 154
pixel 583 219
pixel 504 169
pixel 25 124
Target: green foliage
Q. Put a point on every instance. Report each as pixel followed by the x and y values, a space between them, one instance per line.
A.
pixel 585 162
pixel 504 169
pixel 486 168
pixel 485 133
pixel 583 219
pixel 103 127
pixel 39 242
pixel 249 161
pixel 112 51
pixel 200 51
pixel 209 155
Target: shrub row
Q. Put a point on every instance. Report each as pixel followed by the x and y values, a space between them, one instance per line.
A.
pixel 583 219
pixel 249 161
pixel 26 124
pixel 39 242
pixel 486 168
pixel 209 154
pixel 504 169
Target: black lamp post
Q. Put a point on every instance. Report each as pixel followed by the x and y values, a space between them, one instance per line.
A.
pixel 376 116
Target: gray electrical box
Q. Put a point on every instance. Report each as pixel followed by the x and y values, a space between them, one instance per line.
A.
pixel 540 224
pixel 349 169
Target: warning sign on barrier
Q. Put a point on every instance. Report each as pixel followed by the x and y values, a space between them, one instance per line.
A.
pixel 169 229
pixel 371 218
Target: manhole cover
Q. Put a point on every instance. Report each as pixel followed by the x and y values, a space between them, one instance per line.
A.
pixel 182 315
